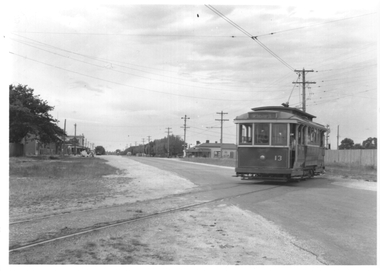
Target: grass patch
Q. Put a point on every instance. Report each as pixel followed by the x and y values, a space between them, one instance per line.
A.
pixel 35 181
pixel 354 171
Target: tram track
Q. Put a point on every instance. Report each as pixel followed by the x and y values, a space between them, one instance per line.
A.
pixel 106 225
pixel 64 213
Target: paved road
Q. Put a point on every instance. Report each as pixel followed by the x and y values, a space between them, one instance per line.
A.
pixel 332 221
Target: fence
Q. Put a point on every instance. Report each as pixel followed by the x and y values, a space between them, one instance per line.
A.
pixel 352 157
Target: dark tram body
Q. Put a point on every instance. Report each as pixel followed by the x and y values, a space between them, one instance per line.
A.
pixel 279 142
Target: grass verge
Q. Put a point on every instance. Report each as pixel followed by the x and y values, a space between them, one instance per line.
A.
pixel 37 184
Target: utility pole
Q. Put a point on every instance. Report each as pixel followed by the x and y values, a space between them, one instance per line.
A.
pixel 168 142
pixel 64 138
pixel 221 130
pixel 221 124
pixel 337 139
pixel 149 145
pixel 184 138
pixel 143 145
pixel 75 138
pixel 303 71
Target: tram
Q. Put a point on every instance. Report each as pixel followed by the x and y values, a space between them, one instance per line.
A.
pixel 279 142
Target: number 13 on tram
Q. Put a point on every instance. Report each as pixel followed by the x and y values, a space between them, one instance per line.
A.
pixel 279 142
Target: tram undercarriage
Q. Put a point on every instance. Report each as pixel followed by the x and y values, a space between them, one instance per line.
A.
pixel 305 174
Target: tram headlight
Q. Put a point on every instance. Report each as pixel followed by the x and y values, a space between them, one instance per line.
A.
pixel 262 157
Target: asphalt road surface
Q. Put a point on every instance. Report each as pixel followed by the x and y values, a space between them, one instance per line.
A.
pixel 334 221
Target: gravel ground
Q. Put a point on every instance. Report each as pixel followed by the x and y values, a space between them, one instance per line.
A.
pixel 214 235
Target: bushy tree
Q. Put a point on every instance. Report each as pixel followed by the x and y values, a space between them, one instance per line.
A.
pixel 370 143
pixel 29 114
pixel 159 147
pixel 357 146
pixel 346 143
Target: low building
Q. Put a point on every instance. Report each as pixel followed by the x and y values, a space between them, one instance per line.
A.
pixel 33 146
pixel 213 150
pixel 74 144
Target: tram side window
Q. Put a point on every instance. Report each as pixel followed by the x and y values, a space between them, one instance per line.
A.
pixel 279 134
pixel 312 136
pixel 318 137
pixel 262 134
pixel 245 134
pixel 301 138
pixel 322 139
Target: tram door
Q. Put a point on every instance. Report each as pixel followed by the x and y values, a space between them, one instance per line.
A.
pixel 292 144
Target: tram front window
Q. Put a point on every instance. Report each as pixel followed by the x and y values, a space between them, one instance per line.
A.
pixel 245 134
pixel 262 134
pixel 279 134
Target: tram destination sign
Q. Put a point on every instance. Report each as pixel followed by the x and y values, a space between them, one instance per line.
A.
pixel 262 115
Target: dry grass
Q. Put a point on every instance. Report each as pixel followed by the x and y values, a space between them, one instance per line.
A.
pixel 35 181
pixel 368 173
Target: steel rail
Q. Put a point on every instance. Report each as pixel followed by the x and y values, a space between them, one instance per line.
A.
pixel 63 213
pixel 131 220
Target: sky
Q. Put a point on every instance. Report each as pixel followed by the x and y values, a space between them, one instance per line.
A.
pixel 124 73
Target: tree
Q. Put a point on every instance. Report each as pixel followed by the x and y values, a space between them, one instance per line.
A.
pixel 357 146
pixel 346 143
pixel 370 143
pixel 99 150
pixel 29 114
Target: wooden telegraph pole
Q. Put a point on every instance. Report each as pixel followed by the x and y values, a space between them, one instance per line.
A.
pixel 303 71
pixel 221 130
pixel 184 128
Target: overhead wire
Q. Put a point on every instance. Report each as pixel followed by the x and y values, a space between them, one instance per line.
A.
pixel 193 36
pixel 126 85
pixel 314 25
pixel 254 38
pixel 114 70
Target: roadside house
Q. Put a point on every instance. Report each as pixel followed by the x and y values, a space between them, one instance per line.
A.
pixel 213 150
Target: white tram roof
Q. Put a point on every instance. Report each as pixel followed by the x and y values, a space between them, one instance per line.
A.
pixel 277 113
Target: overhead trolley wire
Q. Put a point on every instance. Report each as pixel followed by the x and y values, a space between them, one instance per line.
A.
pixel 250 36
pixel 314 25
pixel 193 36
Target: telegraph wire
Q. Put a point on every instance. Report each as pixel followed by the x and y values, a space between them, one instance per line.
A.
pixel 111 69
pixel 315 25
pixel 250 36
pixel 98 59
pixel 128 35
pixel 192 36
pixel 331 99
pixel 135 87
pixel 109 62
